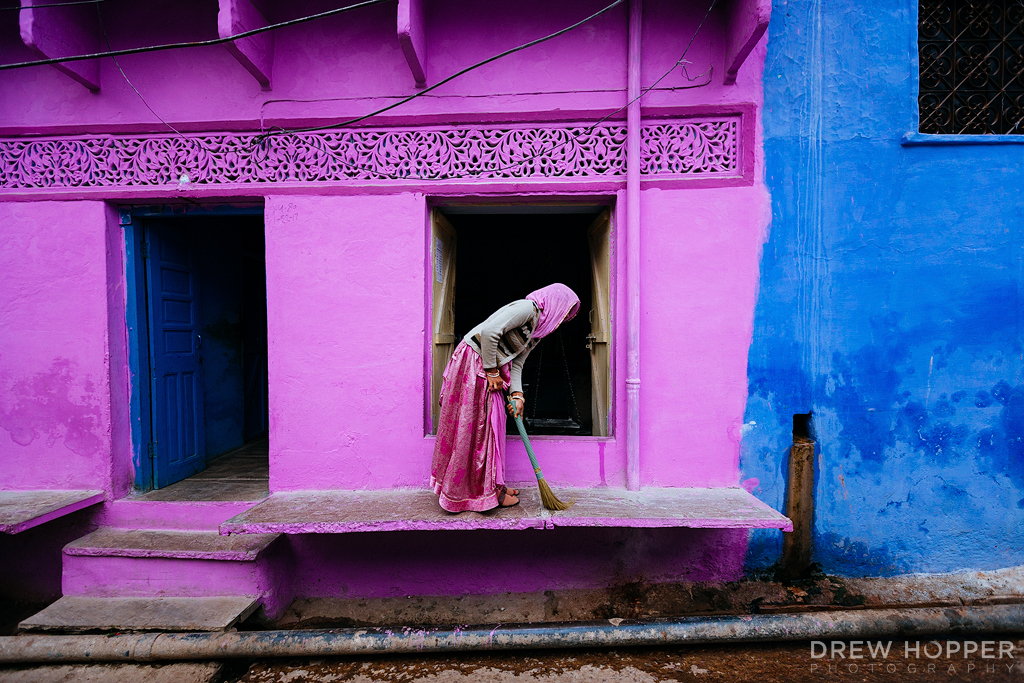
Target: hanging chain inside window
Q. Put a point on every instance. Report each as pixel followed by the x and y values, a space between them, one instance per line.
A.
pixel 568 380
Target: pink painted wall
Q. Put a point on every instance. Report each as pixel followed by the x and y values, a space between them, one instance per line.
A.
pixel 30 561
pixel 348 276
pixel 120 466
pixel 347 379
pixel 350 64
pixel 347 281
pixel 701 250
pixel 54 376
pixel 345 298
pixel 451 563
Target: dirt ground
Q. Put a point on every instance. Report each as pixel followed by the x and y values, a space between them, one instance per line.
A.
pixel 761 663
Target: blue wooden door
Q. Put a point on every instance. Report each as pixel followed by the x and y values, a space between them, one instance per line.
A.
pixel 177 445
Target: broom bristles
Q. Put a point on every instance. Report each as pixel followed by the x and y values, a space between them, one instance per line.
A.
pixel 548 498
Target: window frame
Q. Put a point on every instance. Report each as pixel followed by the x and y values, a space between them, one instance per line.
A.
pixel 526 204
pixel 915 138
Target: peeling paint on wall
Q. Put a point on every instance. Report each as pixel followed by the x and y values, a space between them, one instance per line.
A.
pixel 55 402
pixel 56 405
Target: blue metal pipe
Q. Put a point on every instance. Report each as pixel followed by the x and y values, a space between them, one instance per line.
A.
pixel 861 624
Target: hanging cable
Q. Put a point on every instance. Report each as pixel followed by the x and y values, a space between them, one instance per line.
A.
pixel 260 139
pixel 590 129
pixel 197 43
pixel 106 39
pixel 18 8
pixel 455 75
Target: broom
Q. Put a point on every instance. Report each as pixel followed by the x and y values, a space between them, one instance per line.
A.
pixel 547 496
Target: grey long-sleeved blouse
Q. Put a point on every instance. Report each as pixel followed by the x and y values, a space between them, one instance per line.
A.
pixel 506 336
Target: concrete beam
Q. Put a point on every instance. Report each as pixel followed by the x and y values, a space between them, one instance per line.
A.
pixel 255 53
pixel 748 20
pixel 55 32
pixel 412 36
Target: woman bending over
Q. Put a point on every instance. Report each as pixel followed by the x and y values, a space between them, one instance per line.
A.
pixel 468 469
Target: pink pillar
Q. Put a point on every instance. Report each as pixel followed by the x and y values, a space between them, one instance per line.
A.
pixel 633 251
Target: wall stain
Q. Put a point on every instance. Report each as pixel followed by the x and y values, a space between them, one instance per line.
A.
pixel 55 405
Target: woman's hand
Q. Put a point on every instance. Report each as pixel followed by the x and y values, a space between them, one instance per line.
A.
pixel 515 405
pixel 494 381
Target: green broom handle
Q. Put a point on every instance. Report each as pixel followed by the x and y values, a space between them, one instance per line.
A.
pixel 526 442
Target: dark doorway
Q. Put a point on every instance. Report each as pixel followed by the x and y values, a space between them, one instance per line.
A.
pixel 203 289
pixel 503 257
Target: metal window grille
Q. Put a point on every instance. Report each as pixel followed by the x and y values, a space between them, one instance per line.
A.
pixel 971 55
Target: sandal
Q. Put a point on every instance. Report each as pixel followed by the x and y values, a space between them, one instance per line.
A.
pixel 502 493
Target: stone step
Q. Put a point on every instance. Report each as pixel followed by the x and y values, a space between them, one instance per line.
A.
pixel 192 515
pixel 76 614
pixel 191 545
pixel 156 563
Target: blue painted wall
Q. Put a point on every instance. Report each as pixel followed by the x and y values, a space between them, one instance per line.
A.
pixel 890 305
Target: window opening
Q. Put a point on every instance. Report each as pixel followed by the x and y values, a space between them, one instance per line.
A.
pixel 971 55
pixel 481 262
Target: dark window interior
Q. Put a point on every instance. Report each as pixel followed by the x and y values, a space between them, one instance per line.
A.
pixel 970 54
pixel 501 258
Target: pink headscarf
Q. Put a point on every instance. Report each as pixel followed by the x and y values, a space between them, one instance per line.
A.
pixel 555 302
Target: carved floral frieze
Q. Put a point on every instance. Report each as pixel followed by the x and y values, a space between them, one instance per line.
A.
pixel 692 147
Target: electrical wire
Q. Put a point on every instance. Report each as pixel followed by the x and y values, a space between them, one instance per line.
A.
pixel 259 140
pixel 262 138
pixel 455 75
pixel 682 58
pixel 197 43
pixel 590 129
pixel 106 39
pixel 19 8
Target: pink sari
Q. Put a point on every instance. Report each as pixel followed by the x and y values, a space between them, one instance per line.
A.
pixel 468 468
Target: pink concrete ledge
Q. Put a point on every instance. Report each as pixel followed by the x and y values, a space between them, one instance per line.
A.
pixel 21 510
pixel 336 512
pixel 697 508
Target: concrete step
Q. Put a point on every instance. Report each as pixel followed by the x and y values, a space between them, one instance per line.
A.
pixel 187 545
pixel 76 614
pixel 147 563
pixel 137 513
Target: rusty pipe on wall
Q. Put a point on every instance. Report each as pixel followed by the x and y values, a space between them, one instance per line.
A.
pixel 917 623
pixel 797 544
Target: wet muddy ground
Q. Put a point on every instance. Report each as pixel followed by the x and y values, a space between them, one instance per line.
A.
pixel 756 663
